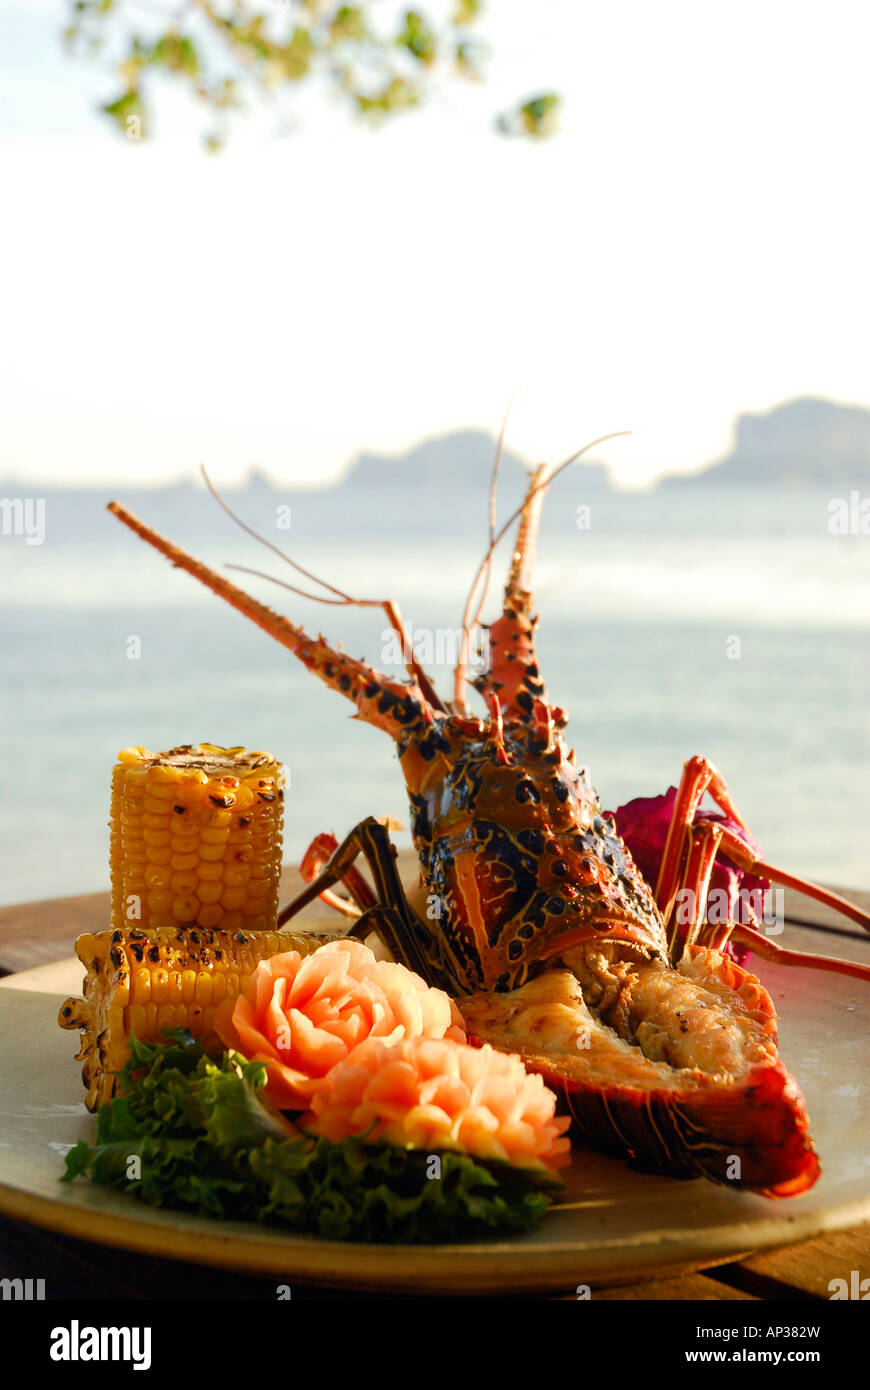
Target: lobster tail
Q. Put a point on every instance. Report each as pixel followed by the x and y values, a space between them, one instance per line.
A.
pixel 679 1074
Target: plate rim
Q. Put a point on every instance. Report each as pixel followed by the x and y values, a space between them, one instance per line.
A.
pixel 497 1266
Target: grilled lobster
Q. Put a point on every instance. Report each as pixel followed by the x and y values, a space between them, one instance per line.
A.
pixel 530 906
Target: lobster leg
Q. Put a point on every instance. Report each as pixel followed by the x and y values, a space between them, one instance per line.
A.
pixel 698 777
pixel 391 915
pixel 762 946
pixel 705 838
pixel 737 851
pixel 318 854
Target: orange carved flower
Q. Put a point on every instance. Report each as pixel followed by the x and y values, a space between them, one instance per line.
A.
pixel 305 1014
pixel 435 1094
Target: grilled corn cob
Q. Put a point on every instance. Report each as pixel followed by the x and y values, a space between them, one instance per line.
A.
pixel 196 839
pixel 144 981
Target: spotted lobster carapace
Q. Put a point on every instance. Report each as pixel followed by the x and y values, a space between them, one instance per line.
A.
pixel 531 910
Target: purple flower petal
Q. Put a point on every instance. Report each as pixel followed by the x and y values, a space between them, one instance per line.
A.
pixel 643 825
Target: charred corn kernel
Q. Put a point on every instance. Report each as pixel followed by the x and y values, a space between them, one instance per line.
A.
pixel 144 981
pixel 184 820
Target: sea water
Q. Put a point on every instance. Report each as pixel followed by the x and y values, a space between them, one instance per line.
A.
pixel 733 625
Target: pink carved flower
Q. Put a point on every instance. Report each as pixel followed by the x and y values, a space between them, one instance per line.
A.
pixel 305 1014
pixel 435 1094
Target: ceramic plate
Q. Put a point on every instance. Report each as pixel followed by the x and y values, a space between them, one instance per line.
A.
pixel 611 1226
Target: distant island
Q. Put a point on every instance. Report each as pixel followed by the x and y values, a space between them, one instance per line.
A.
pixel 803 443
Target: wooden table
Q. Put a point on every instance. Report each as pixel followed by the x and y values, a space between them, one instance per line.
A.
pixel 38 934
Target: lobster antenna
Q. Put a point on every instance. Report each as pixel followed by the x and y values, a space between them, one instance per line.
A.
pixel 471 623
pixel 303 593
pixel 390 608
pixel 542 486
pixel 493 490
pixel 345 598
pixel 460 674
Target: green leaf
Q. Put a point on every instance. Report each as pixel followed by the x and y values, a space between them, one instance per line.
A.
pixel 418 37
pixel 348 22
pixel 204 1141
pixel 466 11
pixel 540 116
pixel 397 95
pixel 298 55
pixel 466 58
pixel 126 110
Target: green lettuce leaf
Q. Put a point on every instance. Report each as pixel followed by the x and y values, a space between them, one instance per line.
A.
pixel 194 1133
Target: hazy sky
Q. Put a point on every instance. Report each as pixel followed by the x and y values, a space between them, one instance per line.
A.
pixel 694 244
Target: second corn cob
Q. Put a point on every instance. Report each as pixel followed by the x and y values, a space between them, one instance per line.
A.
pixel 142 982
